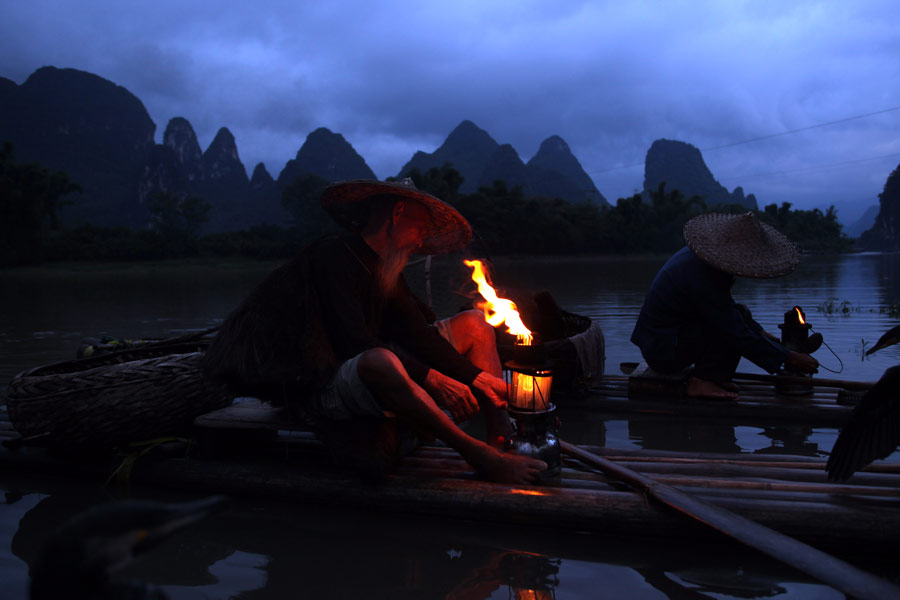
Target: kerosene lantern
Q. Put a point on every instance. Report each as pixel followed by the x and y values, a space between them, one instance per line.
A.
pixel 529 380
pixel 794 336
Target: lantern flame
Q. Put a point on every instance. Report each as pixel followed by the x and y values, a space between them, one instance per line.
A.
pixel 800 315
pixel 498 311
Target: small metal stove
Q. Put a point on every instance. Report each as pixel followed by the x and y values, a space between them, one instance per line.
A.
pixel 529 379
pixel 794 336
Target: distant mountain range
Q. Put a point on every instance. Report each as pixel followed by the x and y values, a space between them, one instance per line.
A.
pixel 101 135
pixel 553 171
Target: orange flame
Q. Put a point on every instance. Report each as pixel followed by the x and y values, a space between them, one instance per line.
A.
pixel 799 315
pixel 498 311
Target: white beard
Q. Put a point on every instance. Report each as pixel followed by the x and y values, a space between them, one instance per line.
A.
pixel 390 265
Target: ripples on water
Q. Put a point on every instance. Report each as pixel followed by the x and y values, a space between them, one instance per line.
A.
pixel 283 551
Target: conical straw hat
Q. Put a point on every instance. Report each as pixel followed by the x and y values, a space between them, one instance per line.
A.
pixel 741 245
pixel 346 203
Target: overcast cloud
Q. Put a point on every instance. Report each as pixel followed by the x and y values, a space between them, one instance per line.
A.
pixel 609 77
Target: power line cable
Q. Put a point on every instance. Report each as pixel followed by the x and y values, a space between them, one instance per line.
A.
pixel 790 131
pixel 815 168
pixel 764 137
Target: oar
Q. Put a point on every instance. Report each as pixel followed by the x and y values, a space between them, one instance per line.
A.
pixel 824 567
pixel 629 367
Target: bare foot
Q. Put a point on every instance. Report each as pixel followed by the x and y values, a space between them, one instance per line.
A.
pixel 701 388
pixel 503 467
pixel 730 386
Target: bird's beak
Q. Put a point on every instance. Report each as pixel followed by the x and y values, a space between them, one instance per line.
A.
pixel 175 517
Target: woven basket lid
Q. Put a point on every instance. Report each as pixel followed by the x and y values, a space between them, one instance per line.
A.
pixel 741 245
pixel 346 203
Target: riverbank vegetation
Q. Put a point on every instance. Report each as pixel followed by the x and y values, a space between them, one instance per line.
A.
pixel 504 219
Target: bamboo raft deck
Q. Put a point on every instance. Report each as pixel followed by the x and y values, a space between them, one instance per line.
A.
pixel 825 406
pixel 249 449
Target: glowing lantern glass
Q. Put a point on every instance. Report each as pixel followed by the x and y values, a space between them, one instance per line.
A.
pixel 528 387
pixel 529 381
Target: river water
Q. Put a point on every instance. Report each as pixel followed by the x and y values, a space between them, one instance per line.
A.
pixel 275 550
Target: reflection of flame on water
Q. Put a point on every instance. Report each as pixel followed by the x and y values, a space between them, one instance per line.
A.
pixel 800 315
pixel 498 311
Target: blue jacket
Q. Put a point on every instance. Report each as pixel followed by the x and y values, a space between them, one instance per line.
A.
pixel 689 300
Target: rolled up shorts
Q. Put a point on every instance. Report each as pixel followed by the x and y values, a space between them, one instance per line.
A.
pixel 346 397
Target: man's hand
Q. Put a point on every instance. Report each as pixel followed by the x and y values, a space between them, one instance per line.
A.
pixel 801 362
pixel 492 387
pixel 451 394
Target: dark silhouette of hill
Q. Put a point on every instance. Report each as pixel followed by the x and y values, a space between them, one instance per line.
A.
pixel 102 136
pixel 681 167
pixel 885 233
pixel 327 155
pixel 553 172
pixel 97 132
pixel 468 149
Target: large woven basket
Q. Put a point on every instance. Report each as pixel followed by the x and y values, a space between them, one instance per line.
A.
pixel 114 399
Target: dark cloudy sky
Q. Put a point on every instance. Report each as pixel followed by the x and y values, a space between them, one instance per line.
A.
pixel 609 77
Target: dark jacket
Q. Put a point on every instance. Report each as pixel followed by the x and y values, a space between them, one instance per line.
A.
pixel 690 300
pixel 323 307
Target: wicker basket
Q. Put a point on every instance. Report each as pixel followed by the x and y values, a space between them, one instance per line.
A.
pixel 114 399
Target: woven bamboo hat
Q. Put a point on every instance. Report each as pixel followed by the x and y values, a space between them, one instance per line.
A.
pixel 741 245
pixel 347 202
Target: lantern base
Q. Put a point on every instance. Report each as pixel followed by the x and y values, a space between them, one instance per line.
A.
pixel 537 435
pixel 794 387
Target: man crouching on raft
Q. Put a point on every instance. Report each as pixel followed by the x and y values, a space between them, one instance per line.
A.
pixel 689 317
pixel 337 335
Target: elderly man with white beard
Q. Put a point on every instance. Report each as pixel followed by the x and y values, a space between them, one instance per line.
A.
pixel 337 336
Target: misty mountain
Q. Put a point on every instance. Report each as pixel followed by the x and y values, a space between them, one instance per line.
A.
pixel 681 167
pixel 553 172
pixel 885 233
pixel 863 223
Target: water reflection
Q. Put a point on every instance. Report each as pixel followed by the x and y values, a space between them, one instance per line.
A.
pixel 45 313
pixel 727 437
pixel 263 550
pixel 790 439
pixel 526 576
pixel 700 435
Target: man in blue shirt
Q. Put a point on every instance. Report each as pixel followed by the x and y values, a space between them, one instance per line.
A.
pixel 689 317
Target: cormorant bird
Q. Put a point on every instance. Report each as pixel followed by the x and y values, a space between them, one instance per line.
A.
pixel 891 337
pixel 873 430
pixel 77 561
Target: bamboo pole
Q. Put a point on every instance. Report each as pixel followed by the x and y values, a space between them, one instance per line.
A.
pixel 629 367
pixel 822 566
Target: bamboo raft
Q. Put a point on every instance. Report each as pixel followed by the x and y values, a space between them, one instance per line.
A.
pixel 828 403
pixel 250 449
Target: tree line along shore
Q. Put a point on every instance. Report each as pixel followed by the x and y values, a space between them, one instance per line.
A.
pixel 504 219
